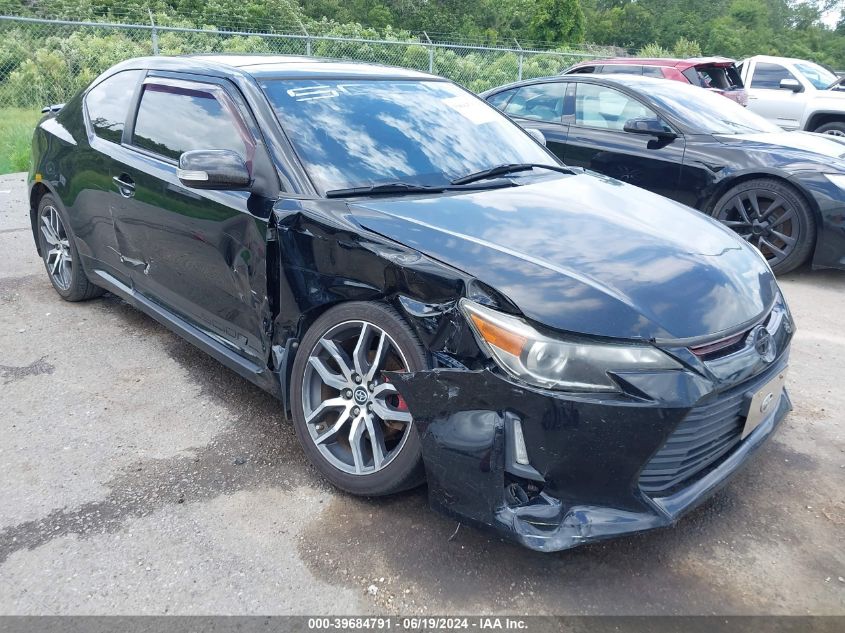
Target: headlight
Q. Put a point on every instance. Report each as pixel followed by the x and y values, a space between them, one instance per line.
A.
pixel 555 363
pixel 836 179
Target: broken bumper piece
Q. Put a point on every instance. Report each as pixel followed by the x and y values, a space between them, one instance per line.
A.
pixel 596 467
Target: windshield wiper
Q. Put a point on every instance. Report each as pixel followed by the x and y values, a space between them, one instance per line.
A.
pixel 390 187
pixel 509 168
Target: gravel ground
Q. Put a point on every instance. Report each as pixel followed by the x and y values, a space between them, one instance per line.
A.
pixel 140 476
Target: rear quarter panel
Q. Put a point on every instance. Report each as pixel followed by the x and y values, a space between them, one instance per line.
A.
pixel 77 176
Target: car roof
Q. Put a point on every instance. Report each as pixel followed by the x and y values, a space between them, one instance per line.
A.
pixel 633 81
pixel 782 60
pixel 660 61
pixel 263 66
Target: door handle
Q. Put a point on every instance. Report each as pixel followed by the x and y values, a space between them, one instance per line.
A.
pixel 125 185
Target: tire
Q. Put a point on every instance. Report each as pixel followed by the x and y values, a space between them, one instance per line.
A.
pixel 60 255
pixel 835 128
pixel 772 216
pixel 325 370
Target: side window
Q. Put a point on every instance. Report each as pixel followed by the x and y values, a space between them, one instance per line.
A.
pixel 769 76
pixel 499 99
pixel 541 101
pixel 622 69
pixel 603 107
pixel 585 70
pixel 172 120
pixel 107 104
pixel 653 71
pixel 692 76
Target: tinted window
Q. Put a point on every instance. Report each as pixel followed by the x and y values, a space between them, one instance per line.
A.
pixel 622 69
pixel 653 71
pixel 174 120
pixel 501 98
pixel 543 102
pixel 769 75
pixel 108 102
pixel 603 107
pixel 585 70
pixel 705 111
pixel 351 133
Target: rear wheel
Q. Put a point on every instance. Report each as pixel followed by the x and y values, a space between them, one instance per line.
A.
pixel 60 255
pixel 835 128
pixel 772 216
pixel 352 423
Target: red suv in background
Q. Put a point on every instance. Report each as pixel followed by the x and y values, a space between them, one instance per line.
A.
pixel 714 73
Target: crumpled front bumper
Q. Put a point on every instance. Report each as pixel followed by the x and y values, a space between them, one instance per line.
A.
pixel 585 454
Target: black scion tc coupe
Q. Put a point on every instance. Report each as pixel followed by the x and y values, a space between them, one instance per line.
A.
pixel 428 291
pixel 782 191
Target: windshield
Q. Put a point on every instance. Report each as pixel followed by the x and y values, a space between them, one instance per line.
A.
pixel 817 75
pixel 358 133
pixel 706 111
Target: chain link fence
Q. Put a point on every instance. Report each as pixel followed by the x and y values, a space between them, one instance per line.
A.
pixel 47 61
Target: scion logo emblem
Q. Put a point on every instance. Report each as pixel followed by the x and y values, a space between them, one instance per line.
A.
pixel 361 395
pixel 764 344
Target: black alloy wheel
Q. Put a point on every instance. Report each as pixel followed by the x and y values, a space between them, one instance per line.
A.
pixel 772 216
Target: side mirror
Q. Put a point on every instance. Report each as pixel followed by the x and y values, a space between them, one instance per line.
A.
pixel 791 84
pixel 652 127
pixel 213 169
pixel 537 135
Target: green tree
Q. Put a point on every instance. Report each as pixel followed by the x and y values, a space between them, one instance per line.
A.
pixel 557 21
pixel 652 50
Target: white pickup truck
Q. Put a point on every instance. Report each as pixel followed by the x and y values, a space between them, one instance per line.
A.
pixel 794 93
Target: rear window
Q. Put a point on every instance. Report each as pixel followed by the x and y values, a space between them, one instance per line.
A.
pixel 622 69
pixel 107 104
pixel 719 77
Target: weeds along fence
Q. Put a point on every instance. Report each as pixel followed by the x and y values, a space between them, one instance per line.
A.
pixel 47 61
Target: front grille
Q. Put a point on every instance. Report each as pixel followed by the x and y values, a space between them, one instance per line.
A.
pixel 704 436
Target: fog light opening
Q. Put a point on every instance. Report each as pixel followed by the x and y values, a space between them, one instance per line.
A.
pixel 520 450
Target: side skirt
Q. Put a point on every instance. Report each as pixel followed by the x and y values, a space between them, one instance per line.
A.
pixel 261 376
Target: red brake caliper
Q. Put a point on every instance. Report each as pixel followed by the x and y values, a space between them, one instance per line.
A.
pixel 401 405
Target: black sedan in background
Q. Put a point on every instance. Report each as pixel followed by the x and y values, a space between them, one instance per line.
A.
pixel 428 292
pixel 782 191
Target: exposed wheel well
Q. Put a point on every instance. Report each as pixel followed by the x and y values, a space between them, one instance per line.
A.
pixel 820 119
pixel 39 190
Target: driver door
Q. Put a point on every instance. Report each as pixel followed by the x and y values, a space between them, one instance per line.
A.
pixel 198 253
pixel 598 141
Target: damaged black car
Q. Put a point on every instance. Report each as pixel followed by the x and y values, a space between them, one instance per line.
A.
pixel 430 293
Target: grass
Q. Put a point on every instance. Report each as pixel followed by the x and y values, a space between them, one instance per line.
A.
pixel 16 126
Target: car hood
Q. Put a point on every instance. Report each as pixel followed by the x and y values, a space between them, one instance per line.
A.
pixel 588 254
pixel 796 145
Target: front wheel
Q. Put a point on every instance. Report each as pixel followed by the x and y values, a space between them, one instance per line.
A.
pixel 352 424
pixel 835 128
pixel 772 216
